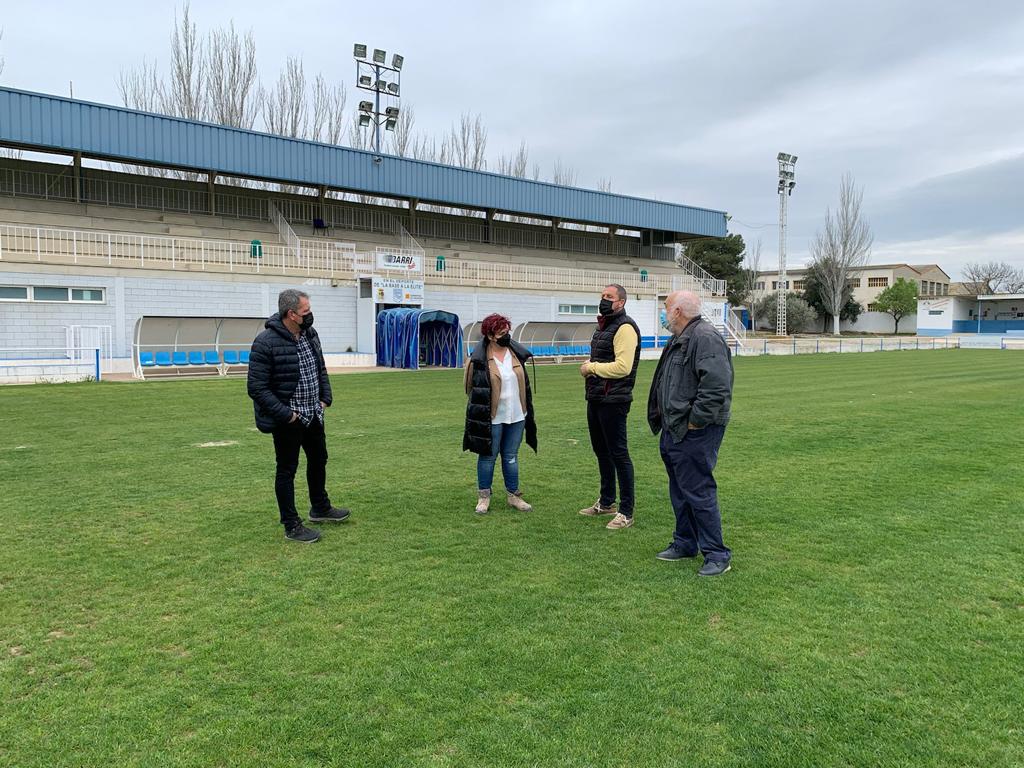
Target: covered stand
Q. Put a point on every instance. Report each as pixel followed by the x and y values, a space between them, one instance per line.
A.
pixel 407 338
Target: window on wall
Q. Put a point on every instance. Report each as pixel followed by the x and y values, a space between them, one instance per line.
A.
pixel 934 311
pixel 853 282
pixel 578 309
pixel 759 286
pixel 798 285
pixel 13 293
pixel 878 282
pixel 873 307
pixel 775 285
pixel 51 293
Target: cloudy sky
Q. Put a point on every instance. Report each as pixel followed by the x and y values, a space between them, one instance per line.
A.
pixel 687 101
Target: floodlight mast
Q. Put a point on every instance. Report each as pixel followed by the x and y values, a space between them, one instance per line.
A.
pixel 787 181
pixel 380 80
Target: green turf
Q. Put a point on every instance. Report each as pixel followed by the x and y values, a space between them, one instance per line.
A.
pixel 152 615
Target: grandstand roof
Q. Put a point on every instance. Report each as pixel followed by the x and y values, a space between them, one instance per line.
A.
pixel 47 123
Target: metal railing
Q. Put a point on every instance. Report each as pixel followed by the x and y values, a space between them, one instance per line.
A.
pixel 284 229
pixel 831 344
pixel 42 362
pixel 322 258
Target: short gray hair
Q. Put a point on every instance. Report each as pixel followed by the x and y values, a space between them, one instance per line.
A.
pixel 618 289
pixel 289 300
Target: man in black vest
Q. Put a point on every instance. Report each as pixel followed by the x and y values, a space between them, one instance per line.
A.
pixel 690 404
pixel 610 376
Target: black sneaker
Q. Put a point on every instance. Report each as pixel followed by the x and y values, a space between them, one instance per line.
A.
pixel 332 515
pixel 671 553
pixel 714 568
pixel 301 533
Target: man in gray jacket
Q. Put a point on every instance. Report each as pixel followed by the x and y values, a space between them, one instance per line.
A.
pixel 689 404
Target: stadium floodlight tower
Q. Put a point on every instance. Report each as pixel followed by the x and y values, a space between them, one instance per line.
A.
pixel 787 180
pixel 383 82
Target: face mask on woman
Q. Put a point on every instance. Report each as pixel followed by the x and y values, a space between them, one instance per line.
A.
pixel 504 340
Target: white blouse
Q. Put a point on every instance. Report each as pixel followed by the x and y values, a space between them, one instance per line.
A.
pixel 510 408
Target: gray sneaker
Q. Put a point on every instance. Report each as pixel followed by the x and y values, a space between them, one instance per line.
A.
pixel 714 568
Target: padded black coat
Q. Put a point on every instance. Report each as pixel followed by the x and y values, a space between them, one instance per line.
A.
pixel 274 373
pixel 477 435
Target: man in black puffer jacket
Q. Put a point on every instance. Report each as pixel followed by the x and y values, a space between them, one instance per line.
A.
pixel 290 389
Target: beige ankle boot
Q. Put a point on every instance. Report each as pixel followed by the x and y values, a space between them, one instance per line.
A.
pixel 515 500
pixel 483 503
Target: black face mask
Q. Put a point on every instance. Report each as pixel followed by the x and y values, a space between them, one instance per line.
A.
pixel 307 322
pixel 605 307
pixel 504 341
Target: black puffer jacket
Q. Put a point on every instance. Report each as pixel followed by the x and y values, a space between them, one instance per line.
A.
pixel 274 373
pixel 477 435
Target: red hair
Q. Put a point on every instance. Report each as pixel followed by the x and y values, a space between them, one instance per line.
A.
pixel 494 323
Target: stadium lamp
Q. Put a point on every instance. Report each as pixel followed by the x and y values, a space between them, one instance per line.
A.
pixel 366 106
pixel 397 61
pixel 393 88
pixel 391 111
pixel 365 81
pixel 359 51
pixel 379 56
pixel 390 123
pixel 364 121
pixel 382 85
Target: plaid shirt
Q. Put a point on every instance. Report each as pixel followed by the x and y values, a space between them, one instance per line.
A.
pixel 306 400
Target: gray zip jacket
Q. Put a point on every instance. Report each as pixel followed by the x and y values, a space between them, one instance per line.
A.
pixel 693 381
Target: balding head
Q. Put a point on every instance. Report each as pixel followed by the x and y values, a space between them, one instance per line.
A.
pixel 680 308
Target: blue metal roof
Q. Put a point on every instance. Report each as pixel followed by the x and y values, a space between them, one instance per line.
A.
pixel 55 123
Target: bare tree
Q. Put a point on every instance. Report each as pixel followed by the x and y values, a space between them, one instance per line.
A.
pixel 516 163
pixel 141 88
pixel 1 57
pixel 604 184
pixel 401 140
pixel 993 277
pixel 750 276
pixel 185 94
pixel 467 143
pixel 285 109
pixel 841 247
pixel 233 92
pixel 564 175
pixel 328 121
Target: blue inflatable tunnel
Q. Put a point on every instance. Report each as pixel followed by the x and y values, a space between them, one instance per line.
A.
pixel 408 338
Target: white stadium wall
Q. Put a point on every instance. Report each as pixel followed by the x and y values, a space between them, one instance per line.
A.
pixel 879 322
pixel 127 297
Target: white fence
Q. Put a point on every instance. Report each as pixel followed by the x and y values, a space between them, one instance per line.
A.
pixel 318 257
pixel 831 344
pixel 31 365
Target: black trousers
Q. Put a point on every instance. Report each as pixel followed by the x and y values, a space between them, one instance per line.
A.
pixel 287 442
pixel 690 464
pixel 607 423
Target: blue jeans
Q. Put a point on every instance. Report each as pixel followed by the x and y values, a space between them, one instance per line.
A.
pixel 693 491
pixel 505 439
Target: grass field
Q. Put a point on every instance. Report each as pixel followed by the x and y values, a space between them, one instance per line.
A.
pixel 151 613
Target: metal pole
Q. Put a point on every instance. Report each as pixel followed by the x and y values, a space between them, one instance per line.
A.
pixel 376 108
pixel 780 310
pixel 97 350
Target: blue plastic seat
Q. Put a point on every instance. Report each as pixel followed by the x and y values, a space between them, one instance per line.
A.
pixel 195 357
pixel 179 358
pixel 146 359
pixel 231 357
pixel 212 357
pixel 243 356
pixel 163 358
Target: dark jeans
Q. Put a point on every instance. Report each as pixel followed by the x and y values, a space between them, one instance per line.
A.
pixel 693 491
pixel 287 441
pixel 607 423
